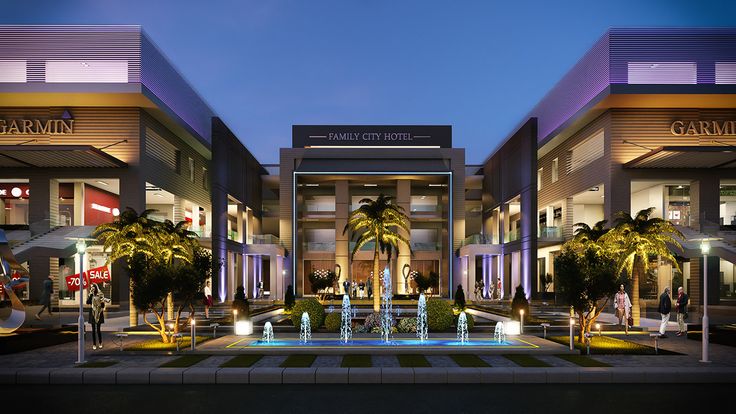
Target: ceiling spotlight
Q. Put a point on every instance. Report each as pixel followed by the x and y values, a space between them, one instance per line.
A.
pixel 679 187
pixel 159 195
pixel 370 185
pixel 101 182
pixel 594 189
pixel 312 185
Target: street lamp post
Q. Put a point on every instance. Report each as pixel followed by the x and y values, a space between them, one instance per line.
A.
pixel 81 249
pixel 705 249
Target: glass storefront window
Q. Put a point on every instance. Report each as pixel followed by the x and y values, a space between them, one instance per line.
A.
pixel 727 280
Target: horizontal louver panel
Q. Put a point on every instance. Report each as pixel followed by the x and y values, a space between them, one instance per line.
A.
pixel 157 147
pixel 726 73
pixel 80 71
pixel 663 73
pixel 586 152
pixel 13 71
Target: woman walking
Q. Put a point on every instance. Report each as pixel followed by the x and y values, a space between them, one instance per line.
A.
pixel 96 300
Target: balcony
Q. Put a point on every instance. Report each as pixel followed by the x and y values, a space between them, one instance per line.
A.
pixel 203 232
pixel 476 239
pixel 550 233
pixel 425 246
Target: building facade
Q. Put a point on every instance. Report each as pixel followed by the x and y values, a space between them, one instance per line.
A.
pixel 94 119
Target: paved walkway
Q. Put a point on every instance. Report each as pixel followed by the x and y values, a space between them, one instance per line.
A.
pixel 55 364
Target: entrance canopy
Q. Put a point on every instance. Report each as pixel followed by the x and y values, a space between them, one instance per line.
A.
pixel 56 156
pixel 686 157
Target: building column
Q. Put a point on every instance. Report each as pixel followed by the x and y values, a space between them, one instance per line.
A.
pixel 705 203
pixel 403 199
pixel 617 195
pixel 528 241
pixel 240 225
pixel 342 241
pixel 219 240
pixel 505 222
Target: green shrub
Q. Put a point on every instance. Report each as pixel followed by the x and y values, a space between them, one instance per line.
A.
pixel 407 325
pixel 333 322
pixel 313 308
pixel 519 302
pixel 468 318
pixel 439 314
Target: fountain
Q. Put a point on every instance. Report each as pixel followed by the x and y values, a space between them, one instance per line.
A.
pixel 305 331
pixel 462 328
pixel 499 334
pixel 386 307
pixel 267 333
pixel 346 330
pixel 422 318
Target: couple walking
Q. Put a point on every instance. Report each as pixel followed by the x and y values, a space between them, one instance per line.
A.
pixel 623 310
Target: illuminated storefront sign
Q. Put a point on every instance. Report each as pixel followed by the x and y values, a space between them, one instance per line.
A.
pixel 713 128
pixel 97 275
pixel 36 126
pixel 14 190
pixel 316 136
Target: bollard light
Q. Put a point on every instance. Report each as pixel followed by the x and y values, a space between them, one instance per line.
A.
pixel 235 315
pixel 521 327
pixel 598 327
pixel 705 249
pixel 572 326
pixel 194 334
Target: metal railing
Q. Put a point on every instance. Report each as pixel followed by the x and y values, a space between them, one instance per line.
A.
pixel 263 239
pixel 552 233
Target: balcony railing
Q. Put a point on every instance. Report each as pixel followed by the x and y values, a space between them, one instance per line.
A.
pixel 263 239
pixel 512 235
pixel 203 232
pixel 425 247
pixel 319 246
pixel 476 239
pixel 550 233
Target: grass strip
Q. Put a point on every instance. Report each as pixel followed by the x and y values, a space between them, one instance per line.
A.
pixel 606 345
pixel 298 361
pixel 241 361
pixel 97 364
pixel 184 361
pixel 356 361
pixel 469 361
pixel 527 361
pixel 413 360
pixel 157 345
pixel 582 360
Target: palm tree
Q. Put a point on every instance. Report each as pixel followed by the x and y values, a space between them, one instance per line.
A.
pixel 634 239
pixel 377 220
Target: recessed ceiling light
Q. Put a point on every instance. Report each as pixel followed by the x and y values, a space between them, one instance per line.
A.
pixel 159 195
pixel 423 197
pixel 438 185
pixel 370 185
pixel 101 182
pixel 679 187
pixel 594 189
pixel 312 185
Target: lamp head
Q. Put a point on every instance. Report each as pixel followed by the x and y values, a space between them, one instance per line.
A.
pixel 705 247
pixel 81 246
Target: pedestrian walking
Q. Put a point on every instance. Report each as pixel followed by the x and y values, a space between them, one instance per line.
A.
pixel 665 307
pixel 48 289
pixel 681 309
pixel 96 300
pixel 207 299
pixel 623 307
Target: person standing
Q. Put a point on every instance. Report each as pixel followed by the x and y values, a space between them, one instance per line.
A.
pixel 48 289
pixel 665 307
pixel 623 306
pixel 370 287
pixel 346 287
pixel 681 309
pixel 207 299
pixel 260 289
pixel 96 300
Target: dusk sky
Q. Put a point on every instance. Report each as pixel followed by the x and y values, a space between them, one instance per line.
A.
pixel 479 66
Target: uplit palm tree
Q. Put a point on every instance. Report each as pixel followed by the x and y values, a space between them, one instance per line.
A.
pixel 586 236
pixel 634 239
pixel 128 235
pixel 378 221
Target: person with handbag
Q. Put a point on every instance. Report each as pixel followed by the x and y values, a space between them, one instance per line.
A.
pixel 96 300
pixel 681 309
pixel 623 308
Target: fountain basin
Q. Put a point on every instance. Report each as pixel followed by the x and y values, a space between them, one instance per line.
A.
pixel 448 343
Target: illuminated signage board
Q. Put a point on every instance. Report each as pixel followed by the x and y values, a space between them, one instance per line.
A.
pixel 351 136
pixel 713 128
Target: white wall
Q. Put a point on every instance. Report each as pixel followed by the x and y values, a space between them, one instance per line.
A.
pixel 587 213
pixel 728 209
pixel 165 211
pixel 649 197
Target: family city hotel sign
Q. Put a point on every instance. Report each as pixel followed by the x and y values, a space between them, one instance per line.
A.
pixel 351 136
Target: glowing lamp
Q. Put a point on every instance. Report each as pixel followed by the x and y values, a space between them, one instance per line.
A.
pixel 512 328
pixel 244 327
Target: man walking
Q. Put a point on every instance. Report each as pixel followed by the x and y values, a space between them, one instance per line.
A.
pixel 681 309
pixel 665 306
pixel 48 289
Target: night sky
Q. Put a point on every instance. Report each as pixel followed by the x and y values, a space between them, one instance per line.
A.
pixel 477 65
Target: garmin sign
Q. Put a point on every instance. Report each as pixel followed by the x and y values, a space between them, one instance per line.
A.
pixel 352 136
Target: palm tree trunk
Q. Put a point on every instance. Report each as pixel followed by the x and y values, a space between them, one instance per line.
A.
pixel 635 311
pixel 376 280
pixel 132 312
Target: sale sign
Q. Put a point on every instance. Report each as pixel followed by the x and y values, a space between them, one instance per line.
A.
pixel 96 275
pixel 72 282
pixel 99 274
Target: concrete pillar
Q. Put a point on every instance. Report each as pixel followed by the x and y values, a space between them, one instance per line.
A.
pixel 403 199
pixel 79 204
pixel 240 225
pixel 505 222
pixel 342 241
pixel 219 240
pixel 617 195
pixel 469 277
pixel 528 241
pixel 39 213
pixel 704 204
